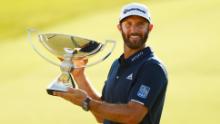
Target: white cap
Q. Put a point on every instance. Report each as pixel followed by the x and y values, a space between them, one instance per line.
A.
pixel 136 9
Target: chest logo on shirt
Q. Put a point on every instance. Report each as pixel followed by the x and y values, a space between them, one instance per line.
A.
pixel 143 91
pixel 130 76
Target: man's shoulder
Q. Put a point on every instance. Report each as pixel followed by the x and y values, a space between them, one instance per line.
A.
pixel 154 64
pixel 114 66
pixel 154 60
pixel 115 63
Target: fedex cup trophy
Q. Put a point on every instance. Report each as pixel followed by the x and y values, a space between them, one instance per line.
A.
pixel 67 48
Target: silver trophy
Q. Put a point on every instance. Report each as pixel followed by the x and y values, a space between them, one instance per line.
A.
pixel 67 48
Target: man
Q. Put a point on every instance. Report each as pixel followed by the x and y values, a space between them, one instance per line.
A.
pixel 134 91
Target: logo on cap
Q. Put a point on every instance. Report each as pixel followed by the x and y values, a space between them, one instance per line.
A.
pixel 132 9
pixel 136 9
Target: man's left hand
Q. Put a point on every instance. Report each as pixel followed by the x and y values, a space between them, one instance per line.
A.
pixel 76 96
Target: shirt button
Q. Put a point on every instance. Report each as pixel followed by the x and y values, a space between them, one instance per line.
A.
pixel 117 77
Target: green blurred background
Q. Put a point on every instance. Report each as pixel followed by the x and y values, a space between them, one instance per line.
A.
pixel 186 37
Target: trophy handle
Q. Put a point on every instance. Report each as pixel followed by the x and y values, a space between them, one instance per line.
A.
pixel 30 31
pixel 103 58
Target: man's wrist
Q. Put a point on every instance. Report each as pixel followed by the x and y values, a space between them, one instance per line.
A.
pixel 85 104
pixel 78 75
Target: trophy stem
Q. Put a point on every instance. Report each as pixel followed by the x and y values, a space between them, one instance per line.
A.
pixel 65 80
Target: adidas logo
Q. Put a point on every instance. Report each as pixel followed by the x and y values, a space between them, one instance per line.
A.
pixel 130 77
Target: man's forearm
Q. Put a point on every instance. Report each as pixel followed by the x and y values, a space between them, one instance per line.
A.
pixel 98 117
pixel 84 84
pixel 121 113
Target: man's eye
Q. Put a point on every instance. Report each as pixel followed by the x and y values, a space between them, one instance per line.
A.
pixel 141 25
pixel 127 25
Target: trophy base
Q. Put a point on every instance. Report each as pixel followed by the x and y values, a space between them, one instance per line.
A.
pixel 50 92
pixel 56 86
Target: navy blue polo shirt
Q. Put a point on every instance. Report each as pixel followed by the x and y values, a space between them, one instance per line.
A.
pixel 141 78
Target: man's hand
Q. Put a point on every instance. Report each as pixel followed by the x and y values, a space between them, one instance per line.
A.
pixel 76 96
pixel 80 62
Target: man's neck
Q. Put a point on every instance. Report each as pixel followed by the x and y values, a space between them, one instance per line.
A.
pixel 129 52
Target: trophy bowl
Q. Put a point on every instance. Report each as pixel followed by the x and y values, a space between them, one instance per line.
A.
pixel 67 48
pixel 59 43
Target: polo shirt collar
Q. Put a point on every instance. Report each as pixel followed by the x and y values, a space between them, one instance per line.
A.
pixel 140 55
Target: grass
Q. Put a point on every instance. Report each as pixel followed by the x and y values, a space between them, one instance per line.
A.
pixel 185 37
pixel 17 16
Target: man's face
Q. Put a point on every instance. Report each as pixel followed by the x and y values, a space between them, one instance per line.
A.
pixel 134 31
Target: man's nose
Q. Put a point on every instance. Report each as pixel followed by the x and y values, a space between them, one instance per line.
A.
pixel 134 29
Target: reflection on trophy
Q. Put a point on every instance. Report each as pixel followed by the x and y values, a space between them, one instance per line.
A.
pixel 68 48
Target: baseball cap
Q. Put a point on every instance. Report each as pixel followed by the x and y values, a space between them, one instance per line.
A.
pixel 136 9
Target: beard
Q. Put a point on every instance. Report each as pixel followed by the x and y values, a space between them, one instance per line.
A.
pixel 136 43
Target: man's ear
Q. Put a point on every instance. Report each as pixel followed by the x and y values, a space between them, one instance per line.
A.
pixel 151 27
pixel 119 27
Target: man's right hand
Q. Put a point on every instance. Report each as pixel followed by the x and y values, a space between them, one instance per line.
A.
pixel 79 63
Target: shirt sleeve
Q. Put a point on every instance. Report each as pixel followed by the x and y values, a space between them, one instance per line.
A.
pixel 150 82
pixel 103 92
